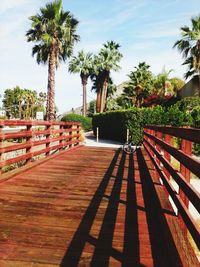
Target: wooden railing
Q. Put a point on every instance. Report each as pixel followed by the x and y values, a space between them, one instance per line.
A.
pixel 24 140
pixel 158 142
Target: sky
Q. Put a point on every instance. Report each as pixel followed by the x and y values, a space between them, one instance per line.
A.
pixel 145 29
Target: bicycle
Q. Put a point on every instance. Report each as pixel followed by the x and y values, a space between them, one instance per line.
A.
pixel 130 147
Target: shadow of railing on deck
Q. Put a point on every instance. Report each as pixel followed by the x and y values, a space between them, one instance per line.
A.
pixel 103 245
pixel 162 244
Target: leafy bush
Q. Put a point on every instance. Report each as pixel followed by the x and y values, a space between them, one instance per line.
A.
pixel 155 115
pixel 188 103
pixel 2 117
pixel 174 117
pixel 86 122
pixel 113 125
pixel 195 114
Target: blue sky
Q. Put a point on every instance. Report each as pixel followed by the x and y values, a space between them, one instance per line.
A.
pixel 145 29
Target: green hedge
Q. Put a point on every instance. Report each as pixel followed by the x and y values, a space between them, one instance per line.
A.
pixel 113 125
pixel 86 122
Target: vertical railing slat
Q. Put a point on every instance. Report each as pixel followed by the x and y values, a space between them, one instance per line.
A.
pixel 1 145
pixel 53 133
pixel 186 147
pixel 29 140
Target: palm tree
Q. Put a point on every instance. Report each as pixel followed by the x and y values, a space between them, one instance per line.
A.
pixel 109 58
pixel 97 87
pixel 162 82
pixel 82 64
pixel 189 46
pixel 53 32
pixel 96 78
pixel 140 84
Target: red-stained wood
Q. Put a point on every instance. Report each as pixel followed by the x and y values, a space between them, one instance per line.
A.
pixel 24 133
pixel 65 133
pixel 30 155
pixel 191 134
pixel 168 140
pixel 34 123
pixel 187 163
pixel 193 195
pixel 186 147
pixel 186 159
pixel 90 207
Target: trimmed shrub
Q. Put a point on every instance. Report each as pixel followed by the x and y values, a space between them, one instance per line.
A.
pixel 195 114
pixel 113 125
pixel 188 103
pixel 174 117
pixel 86 122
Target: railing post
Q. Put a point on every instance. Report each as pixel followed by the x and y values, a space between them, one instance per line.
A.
pixel 168 140
pixel 97 135
pixel 158 135
pixel 61 127
pixel 29 140
pixel 78 131
pixel 152 132
pixel 70 135
pixel 1 145
pixel 186 147
pixel 48 138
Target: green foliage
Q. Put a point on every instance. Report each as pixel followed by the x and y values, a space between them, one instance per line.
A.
pixel 53 32
pixel 113 125
pixel 106 61
pixel 195 114
pixel 139 86
pixel 155 115
pixel 188 103
pixel 2 117
pixel 53 28
pixel 92 108
pixel 13 166
pixel 177 84
pixel 189 47
pixel 174 117
pixel 86 122
pixel 112 104
pixel 22 103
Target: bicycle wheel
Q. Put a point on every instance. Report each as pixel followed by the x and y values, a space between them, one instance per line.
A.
pixel 128 148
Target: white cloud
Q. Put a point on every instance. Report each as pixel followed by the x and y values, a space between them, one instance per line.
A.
pixel 141 46
pixel 157 60
pixel 11 4
pixel 128 21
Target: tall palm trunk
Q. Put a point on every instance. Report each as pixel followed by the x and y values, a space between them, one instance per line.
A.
pixel 199 81
pixel 51 86
pixel 104 92
pixel 84 83
pixel 105 95
pixel 98 102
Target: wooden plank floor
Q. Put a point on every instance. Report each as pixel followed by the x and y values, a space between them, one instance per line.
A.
pixel 90 207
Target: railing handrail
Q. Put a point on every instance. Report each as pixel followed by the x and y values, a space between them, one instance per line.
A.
pixel 34 123
pixel 56 135
pixel 158 144
pixel 187 133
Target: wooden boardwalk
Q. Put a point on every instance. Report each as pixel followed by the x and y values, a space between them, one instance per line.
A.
pixel 90 207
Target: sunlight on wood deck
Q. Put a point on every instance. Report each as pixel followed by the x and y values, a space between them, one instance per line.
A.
pixel 90 207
